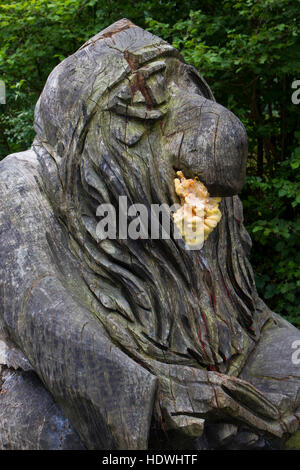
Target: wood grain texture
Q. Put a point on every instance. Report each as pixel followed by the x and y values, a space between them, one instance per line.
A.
pixel 140 342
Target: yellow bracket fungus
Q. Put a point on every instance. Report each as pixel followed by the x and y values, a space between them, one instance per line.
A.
pixel 199 213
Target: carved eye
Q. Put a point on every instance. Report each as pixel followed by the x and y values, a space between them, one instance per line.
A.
pixel 152 79
pixel 142 96
pixel 157 88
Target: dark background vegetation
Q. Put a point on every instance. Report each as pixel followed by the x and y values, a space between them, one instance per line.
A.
pixel 249 53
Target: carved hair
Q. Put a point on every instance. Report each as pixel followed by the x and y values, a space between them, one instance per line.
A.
pixel 153 296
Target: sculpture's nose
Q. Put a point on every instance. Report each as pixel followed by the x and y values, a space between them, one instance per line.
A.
pixel 213 145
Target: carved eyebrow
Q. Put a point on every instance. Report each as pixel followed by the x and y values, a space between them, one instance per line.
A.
pixel 152 68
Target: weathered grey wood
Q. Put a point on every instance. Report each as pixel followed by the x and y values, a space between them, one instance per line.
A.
pixel 30 418
pixel 137 340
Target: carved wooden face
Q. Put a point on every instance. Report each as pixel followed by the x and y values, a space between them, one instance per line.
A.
pixel 165 112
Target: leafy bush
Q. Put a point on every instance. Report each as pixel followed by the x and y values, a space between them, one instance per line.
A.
pixel 271 207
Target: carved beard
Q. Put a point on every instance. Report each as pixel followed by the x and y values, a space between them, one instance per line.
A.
pixel 155 298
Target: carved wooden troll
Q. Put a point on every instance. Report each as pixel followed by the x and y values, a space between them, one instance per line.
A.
pixel 141 343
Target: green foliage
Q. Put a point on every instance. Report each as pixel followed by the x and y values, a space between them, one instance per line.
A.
pixel 249 53
pixel 271 206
